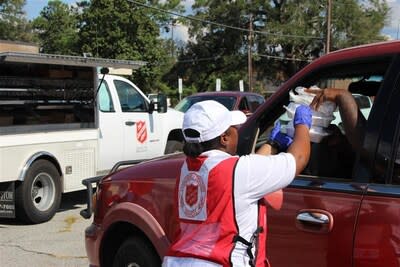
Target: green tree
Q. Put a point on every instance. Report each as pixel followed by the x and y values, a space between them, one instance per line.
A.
pixel 355 24
pixel 57 28
pixel 300 28
pixel 122 30
pixel 216 51
pixel 297 28
pixel 13 23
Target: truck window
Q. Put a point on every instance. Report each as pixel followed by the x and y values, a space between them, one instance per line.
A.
pixel 333 156
pixel 130 99
pixel 244 106
pixel 254 102
pixel 396 168
pixel 362 101
pixel 105 100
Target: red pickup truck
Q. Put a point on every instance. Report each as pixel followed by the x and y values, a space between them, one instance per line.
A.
pixel 343 210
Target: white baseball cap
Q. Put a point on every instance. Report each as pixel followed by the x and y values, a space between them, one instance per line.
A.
pixel 210 119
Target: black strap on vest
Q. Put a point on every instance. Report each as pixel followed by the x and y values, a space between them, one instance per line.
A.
pixel 250 244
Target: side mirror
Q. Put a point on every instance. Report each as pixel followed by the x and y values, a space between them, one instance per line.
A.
pixel 159 104
pixel 104 70
pixel 162 103
pixel 151 107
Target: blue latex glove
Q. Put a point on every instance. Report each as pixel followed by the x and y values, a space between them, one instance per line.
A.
pixel 281 140
pixel 303 115
pixel 275 130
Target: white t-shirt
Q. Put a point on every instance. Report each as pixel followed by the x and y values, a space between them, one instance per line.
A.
pixel 255 177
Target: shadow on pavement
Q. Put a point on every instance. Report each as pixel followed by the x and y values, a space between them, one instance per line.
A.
pixel 9 221
pixel 69 201
pixel 73 200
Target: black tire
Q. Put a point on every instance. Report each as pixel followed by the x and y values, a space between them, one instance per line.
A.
pixel 136 252
pixel 38 196
pixel 173 146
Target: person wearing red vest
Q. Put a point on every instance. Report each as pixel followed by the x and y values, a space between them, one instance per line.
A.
pixel 219 196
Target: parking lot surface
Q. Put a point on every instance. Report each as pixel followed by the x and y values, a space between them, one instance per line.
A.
pixel 59 242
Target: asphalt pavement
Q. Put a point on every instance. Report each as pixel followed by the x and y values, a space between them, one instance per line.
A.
pixel 58 242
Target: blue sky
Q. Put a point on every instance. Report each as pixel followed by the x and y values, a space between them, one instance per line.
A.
pixel 33 8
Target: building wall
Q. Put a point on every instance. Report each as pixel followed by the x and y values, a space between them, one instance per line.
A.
pixel 10 46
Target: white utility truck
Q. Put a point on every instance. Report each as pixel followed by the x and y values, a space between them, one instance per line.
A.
pixel 62 122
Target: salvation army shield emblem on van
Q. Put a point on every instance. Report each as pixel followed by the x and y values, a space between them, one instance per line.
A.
pixel 141 131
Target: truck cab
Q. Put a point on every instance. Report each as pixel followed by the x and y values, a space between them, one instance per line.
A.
pixel 130 126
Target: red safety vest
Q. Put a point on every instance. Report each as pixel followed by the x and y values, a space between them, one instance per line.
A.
pixel 206 211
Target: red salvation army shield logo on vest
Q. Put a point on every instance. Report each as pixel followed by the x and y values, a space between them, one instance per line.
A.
pixel 141 131
pixel 192 195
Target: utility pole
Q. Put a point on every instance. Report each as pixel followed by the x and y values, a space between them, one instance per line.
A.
pixel 328 27
pixel 249 53
pixel 173 24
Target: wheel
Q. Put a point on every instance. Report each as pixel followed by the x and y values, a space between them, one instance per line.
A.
pixel 135 252
pixel 38 196
pixel 173 146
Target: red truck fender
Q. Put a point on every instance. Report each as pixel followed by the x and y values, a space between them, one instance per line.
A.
pixel 142 219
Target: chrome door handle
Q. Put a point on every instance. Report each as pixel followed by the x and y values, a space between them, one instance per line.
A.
pixel 129 123
pixel 314 221
pixel 313 218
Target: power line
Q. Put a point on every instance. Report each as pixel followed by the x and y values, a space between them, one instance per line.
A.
pixel 284 58
pixel 198 59
pixel 260 55
pixel 222 25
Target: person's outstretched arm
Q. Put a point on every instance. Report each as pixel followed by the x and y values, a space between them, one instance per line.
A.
pixel 301 146
pixel 266 150
pixel 354 122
